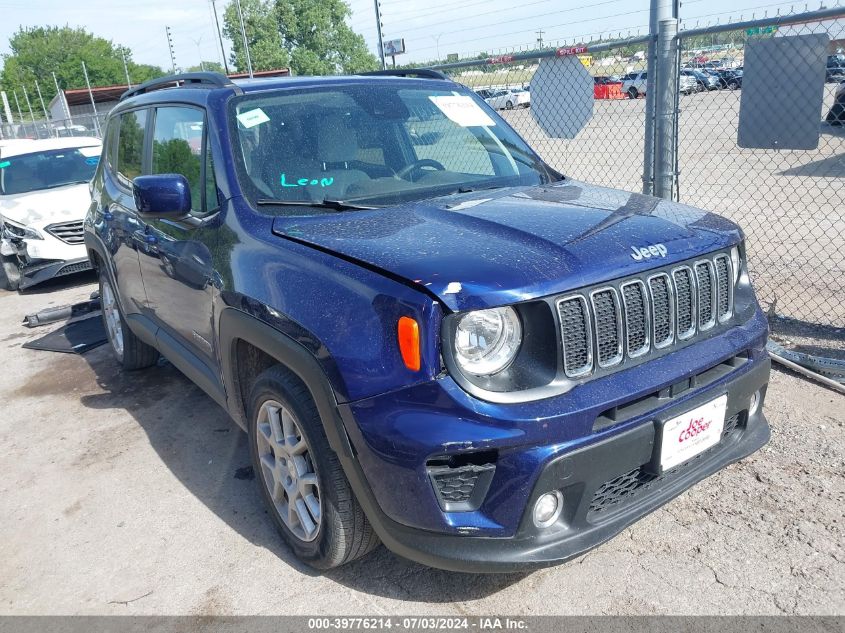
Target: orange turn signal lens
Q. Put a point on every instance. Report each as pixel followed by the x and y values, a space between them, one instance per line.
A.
pixel 409 342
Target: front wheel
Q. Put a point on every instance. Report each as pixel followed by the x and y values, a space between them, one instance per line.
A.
pixel 632 93
pixel 299 476
pixel 10 273
pixel 130 351
pixel 509 105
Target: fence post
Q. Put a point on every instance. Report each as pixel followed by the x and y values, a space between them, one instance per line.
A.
pixel 666 86
pixel 660 10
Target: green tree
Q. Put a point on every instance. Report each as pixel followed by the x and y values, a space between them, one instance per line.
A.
pixel 309 36
pixel 39 51
pixel 210 67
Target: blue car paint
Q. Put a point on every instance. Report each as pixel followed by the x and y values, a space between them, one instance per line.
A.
pixel 397 432
pixel 338 283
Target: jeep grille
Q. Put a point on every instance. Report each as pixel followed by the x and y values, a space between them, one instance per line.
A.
pixel 637 316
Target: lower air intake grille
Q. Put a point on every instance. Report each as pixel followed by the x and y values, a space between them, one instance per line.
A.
pixel 461 488
pixel 619 491
pixel 74 268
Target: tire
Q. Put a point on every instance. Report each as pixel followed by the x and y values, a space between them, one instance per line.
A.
pixel 10 274
pixel 509 105
pixel 632 93
pixel 129 351
pixel 328 528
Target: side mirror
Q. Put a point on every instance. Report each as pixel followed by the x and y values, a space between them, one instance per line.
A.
pixel 162 197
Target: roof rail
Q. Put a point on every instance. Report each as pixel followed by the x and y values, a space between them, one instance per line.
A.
pixel 422 73
pixel 205 79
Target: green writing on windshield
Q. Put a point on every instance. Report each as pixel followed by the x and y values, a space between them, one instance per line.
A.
pixel 4 164
pixel 304 182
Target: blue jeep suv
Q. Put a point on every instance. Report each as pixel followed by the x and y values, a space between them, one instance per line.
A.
pixel 432 338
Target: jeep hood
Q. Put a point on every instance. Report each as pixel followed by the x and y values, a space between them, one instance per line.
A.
pixel 503 246
pixel 38 209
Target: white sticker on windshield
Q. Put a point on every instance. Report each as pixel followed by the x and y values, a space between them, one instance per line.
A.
pixel 251 118
pixel 463 111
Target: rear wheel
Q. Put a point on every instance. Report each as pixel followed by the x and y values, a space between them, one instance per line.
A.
pixel 299 476
pixel 509 105
pixel 130 351
pixel 10 273
pixel 632 93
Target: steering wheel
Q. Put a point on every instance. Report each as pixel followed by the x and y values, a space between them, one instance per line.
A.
pixel 417 166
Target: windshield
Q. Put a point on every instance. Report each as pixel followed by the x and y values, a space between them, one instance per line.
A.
pixel 374 144
pixel 48 169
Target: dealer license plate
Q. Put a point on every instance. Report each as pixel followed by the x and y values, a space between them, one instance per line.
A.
pixel 692 433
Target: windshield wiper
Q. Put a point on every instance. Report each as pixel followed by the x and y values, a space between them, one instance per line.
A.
pixel 337 205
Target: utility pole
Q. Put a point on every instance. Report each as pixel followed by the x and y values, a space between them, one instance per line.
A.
pixel 91 96
pixel 220 37
pixel 660 10
pixel 379 25
pixel 126 69
pixel 540 38
pixel 170 46
pixel 243 34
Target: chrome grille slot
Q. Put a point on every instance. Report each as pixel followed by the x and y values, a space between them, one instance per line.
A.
pixel 724 295
pixel 576 335
pixel 662 310
pixel 608 326
pixel 684 302
pixel 706 283
pixel 635 302
pixel 67 232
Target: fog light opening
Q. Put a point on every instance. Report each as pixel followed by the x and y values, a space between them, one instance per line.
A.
pixel 754 403
pixel 548 508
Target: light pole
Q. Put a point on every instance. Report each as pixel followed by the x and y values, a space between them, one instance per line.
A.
pixel 220 37
pixel 380 38
pixel 243 34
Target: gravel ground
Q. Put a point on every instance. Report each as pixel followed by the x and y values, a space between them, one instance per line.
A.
pixel 123 494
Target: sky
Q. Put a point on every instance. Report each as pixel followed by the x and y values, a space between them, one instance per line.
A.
pixel 431 28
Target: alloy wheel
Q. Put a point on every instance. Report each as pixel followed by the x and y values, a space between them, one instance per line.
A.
pixel 288 470
pixel 111 315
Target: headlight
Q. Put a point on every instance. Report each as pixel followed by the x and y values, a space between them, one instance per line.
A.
pixel 13 230
pixel 487 341
pixel 735 262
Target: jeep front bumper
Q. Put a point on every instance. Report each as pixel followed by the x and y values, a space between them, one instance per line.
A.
pixel 540 447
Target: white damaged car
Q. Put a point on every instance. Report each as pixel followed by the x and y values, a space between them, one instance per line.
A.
pixel 44 197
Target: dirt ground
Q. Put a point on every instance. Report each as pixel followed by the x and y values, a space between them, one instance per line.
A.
pixel 124 494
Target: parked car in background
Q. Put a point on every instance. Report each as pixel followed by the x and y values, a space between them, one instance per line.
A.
pixel 687 84
pixel 836 114
pixel 43 200
pixel 634 84
pixel 729 78
pixel 442 344
pixel 700 79
pixel 505 99
pixel 835 68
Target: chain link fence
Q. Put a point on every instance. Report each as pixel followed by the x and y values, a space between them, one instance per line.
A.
pixel 789 202
pixel 80 125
